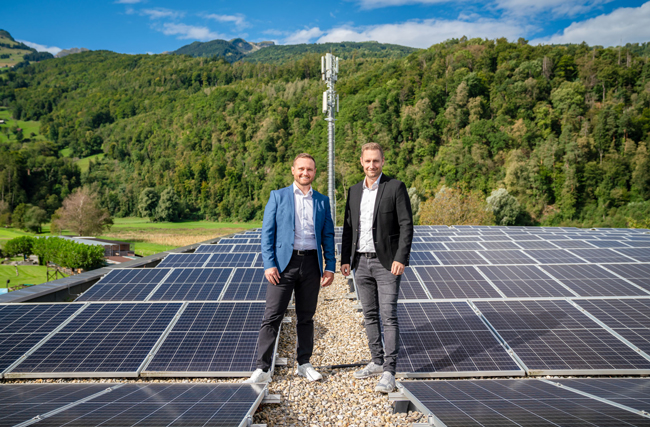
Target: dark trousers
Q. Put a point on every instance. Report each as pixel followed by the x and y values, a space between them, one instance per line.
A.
pixel 301 276
pixel 378 290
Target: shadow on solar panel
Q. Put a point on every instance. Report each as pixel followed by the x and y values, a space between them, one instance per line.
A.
pixel 447 339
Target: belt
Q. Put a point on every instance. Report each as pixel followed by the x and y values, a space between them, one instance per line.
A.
pixel 367 254
pixel 305 252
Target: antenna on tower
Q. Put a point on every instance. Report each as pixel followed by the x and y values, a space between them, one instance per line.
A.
pixel 329 65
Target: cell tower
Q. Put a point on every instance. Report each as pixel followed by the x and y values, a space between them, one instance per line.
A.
pixel 329 65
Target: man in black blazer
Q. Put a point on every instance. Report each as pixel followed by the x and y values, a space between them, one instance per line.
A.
pixel 376 243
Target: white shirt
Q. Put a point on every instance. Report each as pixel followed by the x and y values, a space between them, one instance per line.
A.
pixel 304 235
pixel 366 216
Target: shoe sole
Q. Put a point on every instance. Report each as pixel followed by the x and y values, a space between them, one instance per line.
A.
pixel 383 390
pixel 309 379
pixel 367 376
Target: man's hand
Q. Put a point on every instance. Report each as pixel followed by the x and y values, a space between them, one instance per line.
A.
pixel 345 270
pixel 327 279
pixel 397 268
pixel 272 275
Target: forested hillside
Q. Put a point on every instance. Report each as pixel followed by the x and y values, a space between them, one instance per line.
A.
pixel 563 128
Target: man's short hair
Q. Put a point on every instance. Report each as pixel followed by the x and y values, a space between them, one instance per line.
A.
pixel 372 146
pixel 304 156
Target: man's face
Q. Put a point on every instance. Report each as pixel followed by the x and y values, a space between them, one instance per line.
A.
pixel 304 171
pixel 372 162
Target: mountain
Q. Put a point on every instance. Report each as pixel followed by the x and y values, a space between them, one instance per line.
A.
pixel 268 52
pixel 231 51
pixel 66 52
pixel 16 54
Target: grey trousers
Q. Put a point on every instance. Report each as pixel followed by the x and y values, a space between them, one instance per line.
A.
pixel 378 290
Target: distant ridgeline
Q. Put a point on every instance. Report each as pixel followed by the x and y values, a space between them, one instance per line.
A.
pixel 269 52
pixel 16 54
pixel 565 129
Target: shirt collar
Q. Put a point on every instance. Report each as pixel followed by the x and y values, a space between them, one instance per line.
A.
pixel 375 184
pixel 298 191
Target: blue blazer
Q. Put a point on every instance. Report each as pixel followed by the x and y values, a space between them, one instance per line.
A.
pixel 278 230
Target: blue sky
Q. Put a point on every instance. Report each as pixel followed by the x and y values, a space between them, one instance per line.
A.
pixel 155 26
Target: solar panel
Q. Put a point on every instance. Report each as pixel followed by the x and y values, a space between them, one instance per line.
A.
pixel 233 241
pixel 213 249
pixel 184 260
pixel 497 237
pixel 638 244
pixel 523 236
pixel 417 247
pixel 639 274
pixel 554 256
pixel 210 339
pixel 443 339
pixel 556 237
pixel 600 255
pixel 460 258
pixel 463 246
pixel 554 338
pixel 22 402
pixel 499 245
pixel 193 284
pixel 246 284
pixel 507 257
pixel 638 254
pixel 608 243
pixel 125 285
pixel 573 244
pixel 589 280
pixel 456 282
pixel 231 260
pixel 410 287
pixel 102 340
pixel 422 258
pixel 23 326
pixel 524 281
pixel 535 245
pixel 631 392
pixel 247 248
pixel 210 405
pixel 472 237
pixel 630 318
pixel 536 403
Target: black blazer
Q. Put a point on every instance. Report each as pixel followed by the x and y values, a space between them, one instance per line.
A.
pixel 392 228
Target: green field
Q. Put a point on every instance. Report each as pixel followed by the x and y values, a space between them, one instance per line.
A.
pixel 120 223
pixel 27 275
pixel 28 127
pixel 83 163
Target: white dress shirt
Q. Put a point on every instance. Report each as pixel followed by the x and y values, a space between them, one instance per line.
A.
pixel 304 237
pixel 366 216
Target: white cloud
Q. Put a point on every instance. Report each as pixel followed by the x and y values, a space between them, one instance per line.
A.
pixel 189 32
pixel 375 4
pixel 238 20
pixel 159 13
pixel 626 24
pixel 420 33
pixel 528 8
pixel 42 48
pixel 128 1
pixel 303 36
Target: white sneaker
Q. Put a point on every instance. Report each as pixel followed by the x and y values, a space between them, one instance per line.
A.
pixel 370 370
pixel 308 372
pixel 259 376
pixel 386 383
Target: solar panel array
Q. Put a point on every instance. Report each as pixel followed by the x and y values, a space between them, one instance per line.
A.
pixel 194 314
pixel 86 405
pixel 578 402
pixel 524 286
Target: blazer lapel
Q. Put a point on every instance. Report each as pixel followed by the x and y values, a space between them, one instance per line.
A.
pixel 292 213
pixel 380 190
pixel 316 204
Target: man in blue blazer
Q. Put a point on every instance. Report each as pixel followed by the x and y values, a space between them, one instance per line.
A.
pixel 296 234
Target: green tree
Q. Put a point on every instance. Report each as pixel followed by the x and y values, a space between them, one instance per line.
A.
pixel 22 245
pixel 18 216
pixel 503 206
pixel 147 203
pixel 169 206
pixel 34 218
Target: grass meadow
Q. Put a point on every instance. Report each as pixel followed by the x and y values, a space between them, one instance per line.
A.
pixel 146 238
pixel 28 127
